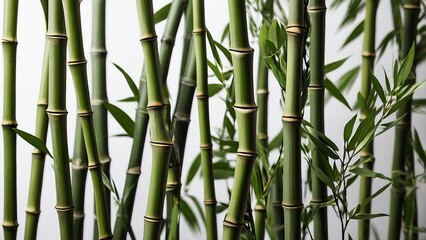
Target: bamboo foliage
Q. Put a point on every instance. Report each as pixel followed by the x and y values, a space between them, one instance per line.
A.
pixel 246 110
pixel 9 43
pixel 367 154
pixel 77 64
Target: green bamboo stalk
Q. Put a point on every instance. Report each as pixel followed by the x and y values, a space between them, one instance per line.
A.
pixel 262 124
pixel 77 66
pixel 161 142
pixel 246 110
pixel 292 117
pixel 402 132
pixel 367 153
pixel 99 93
pixel 141 122
pixel 274 210
pixel 204 118
pixel 411 220
pixel 9 43
pixel 57 114
pixel 79 176
pixel 187 36
pixel 317 14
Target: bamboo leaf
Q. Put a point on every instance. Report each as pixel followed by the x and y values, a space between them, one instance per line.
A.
pixel 257 183
pixel 193 169
pixel 406 66
pixel 389 125
pixel 418 147
pixel 361 216
pixel 377 193
pixel 162 13
pixel 199 208
pixel 334 65
pixel 225 33
pixel 365 172
pixel 214 88
pixel 349 128
pixel 213 49
pixel 34 141
pixel 323 177
pixel 222 170
pixel 189 215
pixel 377 87
pixel 128 99
pixel 122 118
pixel 336 93
pixel 216 71
pixel 221 207
pixel 129 81
pixel 354 34
pixel 276 142
pixel 382 46
pixel 224 50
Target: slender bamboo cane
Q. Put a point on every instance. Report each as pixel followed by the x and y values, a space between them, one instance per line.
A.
pixel 402 132
pixel 57 114
pixel 161 142
pixel 99 92
pixel 187 36
pixel 77 66
pixel 367 153
pixel 141 122
pixel 79 175
pixel 317 13
pixel 262 124
pixel 274 210
pixel 204 119
pixel 292 117
pixel 38 157
pixel 410 222
pixel 246 110
pixel 9 43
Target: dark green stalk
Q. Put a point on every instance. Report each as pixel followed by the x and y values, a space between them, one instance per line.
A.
pixel 141 122
pixel 246 110
pixel 367 153
pixel 410 203
pixel 317 13
pixel 9 43
pixel 274 210
pixel 77 66
pixel 57 114
pixel 79 175
pixel 38 157
pixel 262 124
pixel 187 36
pixel 292 117
pixel 204 119
pixel 99 93
pixel 161 142
pixel 402 132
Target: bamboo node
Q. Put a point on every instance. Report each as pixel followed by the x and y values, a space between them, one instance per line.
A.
pixel 77 62
pixel 199 31
pixel 134 171
pixel 10 225
pixel 170 41
pixel 9 40
pixel 262 136
pixel 105 160
pixel 188 82
pixel 99 102
pixel 153 219
pixel 64 209
pixel 78 215
pixel 229 224
pixel 93 166
pixel 33 211
pixel 9 123
pixel 210 202
pixel 98 51
pixel 148 38
pixel 291 118
pixel 202 96
pixel 242 51
pixel 295 29
pixel 173 186
pixel 187 36
pixel 368 54
pixel 290 207
pixel 316 87
pixel 77 164
pixel 246 154
pixel 249 107
pixel 58 36
pixel 411 6
pixel 155 105
pixel 84 114
pixel 262 92
pixel 179 118
pixel 258 207
pixel 276 203
pixel 317 9
pixel 206 146
pixel 56 112
pixel 160 143
pixel 109 236
pixel 37 152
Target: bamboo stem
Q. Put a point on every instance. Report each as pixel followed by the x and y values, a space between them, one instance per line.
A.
pixel 246 111
pixel 57 114
pixel 161 142
pixel 402 132
pixel 77 66
pixel 199 34
pixel 292 117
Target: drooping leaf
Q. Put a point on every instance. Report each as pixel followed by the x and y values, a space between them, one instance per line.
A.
pixel 162 13
pixel 378 87
pixel 214 49
pixel 193 169
pixel 224 50
pixel 334 65
pixel 122 118
pixel 374 195
pixel 406 66
pixel 199 208
pixel 349 128
pixel 129 81
pixel 216 71
pixel 214 88
pixel 418 147
pixel 361 216
pixel 189 215
pixel 365 172
pixel 332 89
pixel 34 141
pixel 354 34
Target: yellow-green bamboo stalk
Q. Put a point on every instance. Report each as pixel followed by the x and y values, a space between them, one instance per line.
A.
pixel 99 92
pixel 292 117
pixel 204 119
pixel 317 13
pixel 57 114
pixel 274 210
pixel 9 43
pixel 79 176
pixel 77 64
pixel 367 153
pixel 402 132
pixel 161 142
pixel 262 116
pixel 246 110
pixel 38 157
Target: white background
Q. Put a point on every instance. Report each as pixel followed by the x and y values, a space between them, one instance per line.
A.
pixel 124 49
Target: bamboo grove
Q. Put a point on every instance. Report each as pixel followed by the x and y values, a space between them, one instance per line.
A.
pixel 286 141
